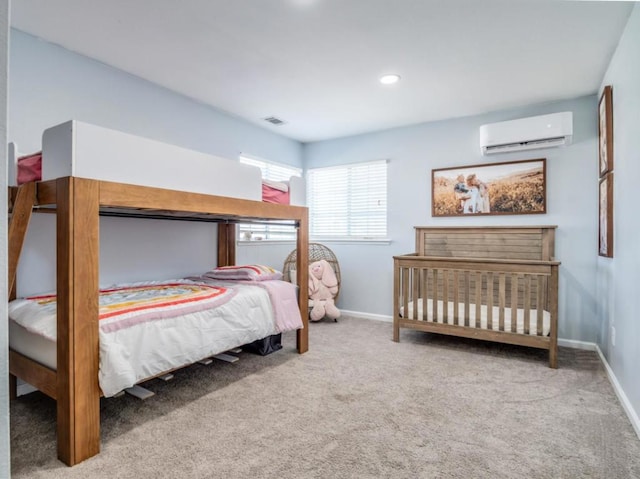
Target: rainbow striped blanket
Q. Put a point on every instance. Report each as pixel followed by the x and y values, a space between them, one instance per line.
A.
pixel 123 306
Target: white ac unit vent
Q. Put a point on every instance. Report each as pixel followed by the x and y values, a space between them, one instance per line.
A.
pixel 542 131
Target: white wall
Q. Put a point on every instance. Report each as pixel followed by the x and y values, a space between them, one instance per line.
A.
pixel 50 85
pixel 619 277
pixel 413 151
pixel 5 469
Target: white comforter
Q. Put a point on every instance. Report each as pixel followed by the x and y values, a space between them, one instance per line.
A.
pixel 148 348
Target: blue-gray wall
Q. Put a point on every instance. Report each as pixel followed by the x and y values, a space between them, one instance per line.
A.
pixel 619 277
pixel 413 151
pixel 50 85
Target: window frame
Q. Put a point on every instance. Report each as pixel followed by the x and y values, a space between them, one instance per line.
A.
pixel 356 202
pixel 266 232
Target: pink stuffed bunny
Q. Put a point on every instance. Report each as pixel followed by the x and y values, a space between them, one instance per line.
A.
pixel 323 287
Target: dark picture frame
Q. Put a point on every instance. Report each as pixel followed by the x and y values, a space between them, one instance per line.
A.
pixel 605 131
pixel 507 188
pixel 605 205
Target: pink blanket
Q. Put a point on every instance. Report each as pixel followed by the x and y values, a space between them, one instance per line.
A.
pixel 283 296
pixel 284 302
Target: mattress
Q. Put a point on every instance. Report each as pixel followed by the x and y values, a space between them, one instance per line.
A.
pixel 146 348
pixel 520 316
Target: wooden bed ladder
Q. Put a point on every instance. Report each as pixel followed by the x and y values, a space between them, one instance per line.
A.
pixel 22 207
pixel 20 216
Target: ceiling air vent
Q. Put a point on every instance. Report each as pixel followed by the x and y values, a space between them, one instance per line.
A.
pixel 274 121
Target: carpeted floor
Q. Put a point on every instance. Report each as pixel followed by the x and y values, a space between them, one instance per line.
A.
pixel 357 405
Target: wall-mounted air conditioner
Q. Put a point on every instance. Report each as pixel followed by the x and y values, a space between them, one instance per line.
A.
pixel 542 131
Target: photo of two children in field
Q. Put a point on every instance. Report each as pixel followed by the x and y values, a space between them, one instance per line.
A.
pixel 500 188
pixel 473 194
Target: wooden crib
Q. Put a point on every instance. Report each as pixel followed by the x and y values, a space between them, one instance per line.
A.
pixel 493 283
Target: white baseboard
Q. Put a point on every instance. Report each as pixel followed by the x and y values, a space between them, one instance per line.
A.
pixel 622 397
pixel 624 400
pixel 568 343
pixel 572 343
pixel 375 317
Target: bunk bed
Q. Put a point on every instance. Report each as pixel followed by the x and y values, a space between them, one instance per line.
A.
pixel 78 202
pixel 495 283
pixel 76 148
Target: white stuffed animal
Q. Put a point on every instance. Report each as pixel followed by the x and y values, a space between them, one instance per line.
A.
pixel 323 287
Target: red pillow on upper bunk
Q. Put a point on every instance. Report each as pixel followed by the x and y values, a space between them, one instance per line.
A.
pixel 275 192
pixel 30 168
pixel 247 272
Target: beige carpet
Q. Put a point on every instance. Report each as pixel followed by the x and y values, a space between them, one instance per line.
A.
pixel 357 405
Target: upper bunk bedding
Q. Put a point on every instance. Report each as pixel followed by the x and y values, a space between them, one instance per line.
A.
pixel 88 151
pixel 275 192
pixel 149 328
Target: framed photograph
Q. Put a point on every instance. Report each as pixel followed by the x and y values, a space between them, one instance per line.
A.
pixel 605 243
pixel 510 188
pixel 605 130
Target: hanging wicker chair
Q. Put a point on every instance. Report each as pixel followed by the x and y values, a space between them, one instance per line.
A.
pixel 317 252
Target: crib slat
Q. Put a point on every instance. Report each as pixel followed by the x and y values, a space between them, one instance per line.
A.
pixel 424 295
pixel 514 303
pixel 434 302
pixel 527 302
pixel 456 283
pixel 478 297
pixel 467 293
pixel 405 293
pixel 445 296
pixel 539 306
pixel 490 300
pixel 501 300
pixel 415 277
pixel 545 290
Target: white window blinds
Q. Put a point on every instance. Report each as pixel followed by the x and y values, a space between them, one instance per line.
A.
pixel 272 171
pixel 348 201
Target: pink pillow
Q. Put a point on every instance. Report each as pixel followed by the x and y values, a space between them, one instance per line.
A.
pixel 274 195
pixel 30 168
pixel 247 272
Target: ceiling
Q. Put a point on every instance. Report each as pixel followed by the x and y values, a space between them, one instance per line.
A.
pixel 315 64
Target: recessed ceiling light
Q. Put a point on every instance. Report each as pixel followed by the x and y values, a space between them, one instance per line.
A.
pixel 389 79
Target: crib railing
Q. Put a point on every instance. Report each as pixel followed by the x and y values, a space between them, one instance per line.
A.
pixel 453 292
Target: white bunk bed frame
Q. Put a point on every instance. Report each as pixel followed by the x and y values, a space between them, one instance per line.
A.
pixel 75 148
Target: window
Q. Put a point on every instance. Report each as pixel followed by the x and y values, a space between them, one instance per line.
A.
pixel 274 172
pixel 348 201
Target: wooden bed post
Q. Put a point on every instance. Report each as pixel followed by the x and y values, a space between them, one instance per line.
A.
pixel 302 268
pixel 226 244
pixel 553 309
pixel 396 305
pixel 78 392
